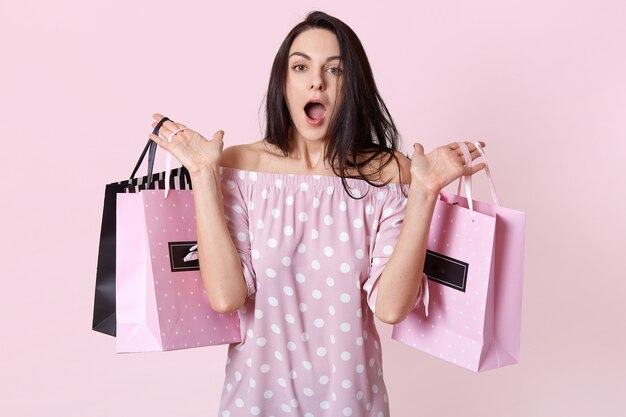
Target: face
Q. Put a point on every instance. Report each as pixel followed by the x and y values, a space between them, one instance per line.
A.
pixel 314 73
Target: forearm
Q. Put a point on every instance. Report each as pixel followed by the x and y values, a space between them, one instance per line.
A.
pixel 220 264
pixel 401 279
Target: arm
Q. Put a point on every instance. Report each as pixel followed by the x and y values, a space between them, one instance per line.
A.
pixel 220 264
pixel 401 279
pixel 221 268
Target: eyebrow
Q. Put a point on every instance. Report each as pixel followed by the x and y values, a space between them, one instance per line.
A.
pixel 305 56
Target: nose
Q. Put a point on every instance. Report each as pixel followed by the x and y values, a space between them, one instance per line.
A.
pixel 317 82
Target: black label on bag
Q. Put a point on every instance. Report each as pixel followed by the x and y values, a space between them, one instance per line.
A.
pixel 445 270
pixel 179 251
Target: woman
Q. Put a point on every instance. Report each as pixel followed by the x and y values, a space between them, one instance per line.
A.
pixel 310 216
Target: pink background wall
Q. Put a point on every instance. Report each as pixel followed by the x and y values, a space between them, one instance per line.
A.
pixel 542 82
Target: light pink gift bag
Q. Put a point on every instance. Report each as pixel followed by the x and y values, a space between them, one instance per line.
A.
pixel 161 301
pixel 474 266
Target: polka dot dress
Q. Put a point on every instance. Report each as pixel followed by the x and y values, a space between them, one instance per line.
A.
pixel 311 258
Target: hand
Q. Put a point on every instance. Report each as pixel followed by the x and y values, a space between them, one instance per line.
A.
pixel 443 165
pixel 191 149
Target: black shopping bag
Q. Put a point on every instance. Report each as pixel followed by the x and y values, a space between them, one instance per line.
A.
pixel 104 302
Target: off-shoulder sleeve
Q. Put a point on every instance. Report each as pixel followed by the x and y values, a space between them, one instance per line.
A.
pixel 390 217
pixel 236 216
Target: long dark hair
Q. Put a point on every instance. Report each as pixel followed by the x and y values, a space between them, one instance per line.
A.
pixel 362 126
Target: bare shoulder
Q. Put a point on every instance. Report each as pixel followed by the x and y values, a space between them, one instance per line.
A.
pixel 395 172
pixel 244 156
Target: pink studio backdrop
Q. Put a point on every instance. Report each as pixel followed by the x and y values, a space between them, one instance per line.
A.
pixel 542 82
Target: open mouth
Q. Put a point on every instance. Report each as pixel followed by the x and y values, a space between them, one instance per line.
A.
pixel 315 112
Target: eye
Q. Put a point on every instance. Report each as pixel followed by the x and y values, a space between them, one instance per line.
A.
pixel 298 67
pixel 335 70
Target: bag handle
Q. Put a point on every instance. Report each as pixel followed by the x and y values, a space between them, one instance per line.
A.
pixel 151 147
pixel 467 179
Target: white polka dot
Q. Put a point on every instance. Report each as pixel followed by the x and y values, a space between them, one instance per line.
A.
pixel 241 236
pixel 347 411
pixel 268 394
pixel 317 294
pixel 289 200
pixel 289 318
pixel 238 376
pixel 331 310
pixel 328 251
pixel 345 326
pixel 360 254
pixel 360 368
pixel 359 341
pixel 282 382
pixel 252 382
pixel 258 313
pixel 369 209
pixel 279 183
pixel 229 387
pixel 374 388
pixel 265 368
pixel 387 212
pixel 328 220
pixel 330 281
pixel 264 194
pixel 302 216
pixel 314 234
pixel 345 355
pixel 388 250
pixel 324 405
pixel 255 254
pixel 307 365
pixel 304 186
pixel 225 413
pixel 345 297
pixel 288 290
pixel 315 264
pixel 293 374
pixel 358 223
pixel 291 346
pixel 308 392
pixel 294 402
pixel 332 339
pixel 343 206
pixel 237 208
pixel 285 408
pixel 273 301
pixel 275 213
pixel 319 323
pixel 278 355
pixel 255 411
pixel 316 202
pixel 288 230
pixel 380 195
pixel 302 307
pixel 359 312
pixel 270 272
pixel 359 395
pixel 275 328
pixel 344 237
pixel 324 380
pixel 344 267
pixel 304 336
pixel 249 333
pixel 239 402
pixel 272 242
pixel 321 352
pixel 261 341
pixel 346 383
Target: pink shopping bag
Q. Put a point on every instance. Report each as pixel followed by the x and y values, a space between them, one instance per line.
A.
pixel 474 266
pixel 161 301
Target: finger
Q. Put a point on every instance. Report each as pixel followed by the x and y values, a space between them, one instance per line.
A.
pixel 219 135
pixel 474 168
pixel 158 140
pixel 418 149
